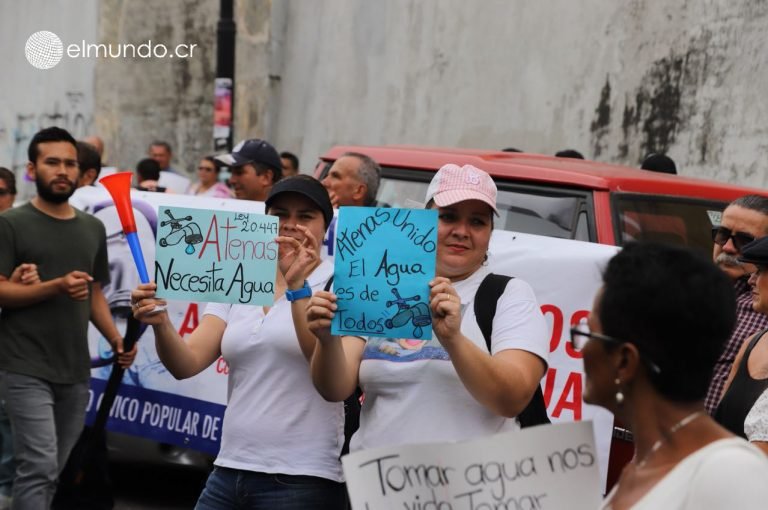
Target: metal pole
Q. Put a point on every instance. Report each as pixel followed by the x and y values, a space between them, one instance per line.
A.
pixel 225 77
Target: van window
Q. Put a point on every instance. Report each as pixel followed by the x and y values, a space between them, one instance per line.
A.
pixel 553 216
pixel 532 212
pixel 402 193
pixel 682 221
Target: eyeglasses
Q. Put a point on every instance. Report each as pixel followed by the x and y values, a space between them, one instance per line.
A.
pixel 580 335
pixel 206 168
pixel 720 236
pixel 4 192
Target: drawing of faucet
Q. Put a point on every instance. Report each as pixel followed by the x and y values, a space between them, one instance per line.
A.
pixel 417 314
pixel 189 232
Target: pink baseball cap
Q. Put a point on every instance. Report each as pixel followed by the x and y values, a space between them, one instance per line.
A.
pixel 454 183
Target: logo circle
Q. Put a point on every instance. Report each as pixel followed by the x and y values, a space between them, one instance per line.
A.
pixel 44 49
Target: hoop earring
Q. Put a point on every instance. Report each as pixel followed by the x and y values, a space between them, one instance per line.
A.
pixel 619 393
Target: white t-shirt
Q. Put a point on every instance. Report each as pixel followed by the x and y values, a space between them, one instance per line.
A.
pixel 173 182
pixel 412 391
pixel 756 423
pixel 275 421
pixel 85 197
pixel 729 473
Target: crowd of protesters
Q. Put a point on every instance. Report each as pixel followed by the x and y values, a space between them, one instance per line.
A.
pixel 687 371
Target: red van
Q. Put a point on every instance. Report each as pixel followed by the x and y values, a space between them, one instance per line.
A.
pixel 563 197
pixel 569 199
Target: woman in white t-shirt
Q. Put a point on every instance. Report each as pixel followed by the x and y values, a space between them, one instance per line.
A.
pixel 281 440
pixel 449 387
pixel 657 328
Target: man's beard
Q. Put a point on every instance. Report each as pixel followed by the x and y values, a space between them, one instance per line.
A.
pixel 45 191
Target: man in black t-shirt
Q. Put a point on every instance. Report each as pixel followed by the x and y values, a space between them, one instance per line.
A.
pixel 44 359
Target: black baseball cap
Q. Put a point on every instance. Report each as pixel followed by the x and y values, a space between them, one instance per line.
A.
pixel 307 186
pixel 253 150
pixel 755 252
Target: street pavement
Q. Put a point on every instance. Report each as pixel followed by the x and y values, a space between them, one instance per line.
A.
pixel 141 487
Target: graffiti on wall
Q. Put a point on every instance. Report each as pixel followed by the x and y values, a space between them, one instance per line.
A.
pixel 17 129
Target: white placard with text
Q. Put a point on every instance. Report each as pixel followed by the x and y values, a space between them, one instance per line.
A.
pixel 551 467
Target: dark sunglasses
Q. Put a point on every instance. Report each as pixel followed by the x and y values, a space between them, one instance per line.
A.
pixel 4 192
pixel 720 236
pixel 580 335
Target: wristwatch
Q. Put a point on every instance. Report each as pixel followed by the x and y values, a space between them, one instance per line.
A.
pixel 302 293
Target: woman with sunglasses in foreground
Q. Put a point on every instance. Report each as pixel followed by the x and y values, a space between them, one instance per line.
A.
pixel 656 329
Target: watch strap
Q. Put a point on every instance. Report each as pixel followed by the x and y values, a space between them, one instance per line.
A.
pixel 302 293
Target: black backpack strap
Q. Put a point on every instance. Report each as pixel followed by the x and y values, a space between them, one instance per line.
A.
pixel 486 300
pixel 352 408
pixel 351 404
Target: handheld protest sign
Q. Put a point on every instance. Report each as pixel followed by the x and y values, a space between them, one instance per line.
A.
pixel 119 187
pixel 548 467
pixel 385 259
pixel 216 256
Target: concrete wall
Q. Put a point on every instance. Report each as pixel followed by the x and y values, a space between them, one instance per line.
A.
pixel 32 98
pixel 254 61
pixel 615 80
pixel 128 101
pixel 140 100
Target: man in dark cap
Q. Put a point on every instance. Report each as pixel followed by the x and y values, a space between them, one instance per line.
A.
pixel 255 167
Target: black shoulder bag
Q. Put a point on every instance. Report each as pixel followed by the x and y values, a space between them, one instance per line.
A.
pixel 486 299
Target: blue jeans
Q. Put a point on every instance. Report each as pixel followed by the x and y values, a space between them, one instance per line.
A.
pixel 235 489
pixel 46 419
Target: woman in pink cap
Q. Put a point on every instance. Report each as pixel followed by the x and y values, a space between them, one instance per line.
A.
pixel 456 385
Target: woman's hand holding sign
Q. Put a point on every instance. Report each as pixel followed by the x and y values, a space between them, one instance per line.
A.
pixel 320 312
pixel 297 257
pixel 144 304
pixel 445 304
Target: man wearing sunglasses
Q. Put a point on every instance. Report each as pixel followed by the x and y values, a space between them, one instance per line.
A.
pixel 744 220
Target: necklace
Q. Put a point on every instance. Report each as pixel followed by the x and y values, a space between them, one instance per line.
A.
pixel 660 442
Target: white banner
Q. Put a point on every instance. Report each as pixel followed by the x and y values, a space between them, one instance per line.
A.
pixel 151 402
pixel 564 274
pixel 539 468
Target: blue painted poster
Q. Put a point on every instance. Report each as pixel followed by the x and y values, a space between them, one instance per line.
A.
pixel 385 259
pixel 216 256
